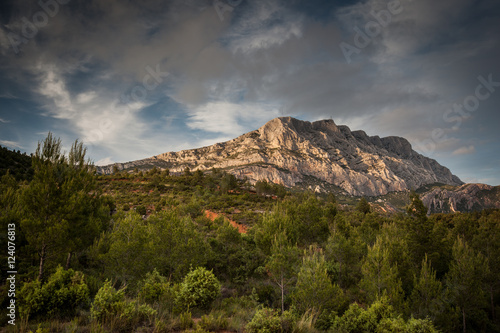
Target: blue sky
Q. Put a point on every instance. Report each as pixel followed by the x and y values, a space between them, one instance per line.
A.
pixel 136 79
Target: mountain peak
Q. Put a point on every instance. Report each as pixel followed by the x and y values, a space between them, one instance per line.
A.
pixel 319 155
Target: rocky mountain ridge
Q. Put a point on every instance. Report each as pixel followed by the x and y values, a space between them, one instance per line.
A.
pixel 464 198
pixel 318 155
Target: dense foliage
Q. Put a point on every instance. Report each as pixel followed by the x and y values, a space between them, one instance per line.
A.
pixel 154 251
pixel 15 163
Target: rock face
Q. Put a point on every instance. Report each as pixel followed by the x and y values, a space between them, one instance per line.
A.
pixel 316 155
pixel 465 198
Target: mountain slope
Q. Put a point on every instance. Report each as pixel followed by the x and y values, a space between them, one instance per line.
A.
pixel 318 154
pixel 465 198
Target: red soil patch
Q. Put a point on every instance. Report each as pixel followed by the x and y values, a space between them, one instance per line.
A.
pixel 213 215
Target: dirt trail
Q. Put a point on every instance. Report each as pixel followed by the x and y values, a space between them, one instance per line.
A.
pixel 213 215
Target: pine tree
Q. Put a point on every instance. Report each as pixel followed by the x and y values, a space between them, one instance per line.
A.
pixel 465 279
pixel 487 241
pixel 379 276
pixel 427 293
pixel 363 206
pixel 61 208
pixel 314 289
pixel 282 264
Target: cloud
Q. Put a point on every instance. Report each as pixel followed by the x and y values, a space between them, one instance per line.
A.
pixel 230 76
pixel 104 161
pixel 264 25
pixel 4 121
pixel 229 118
pixel 8 95
pixel 464 150
pixel 11 144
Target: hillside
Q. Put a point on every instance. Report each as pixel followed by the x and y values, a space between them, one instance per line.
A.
pixel 320 156
pixel 206 252
pixel 17 164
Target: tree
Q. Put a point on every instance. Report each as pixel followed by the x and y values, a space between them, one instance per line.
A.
pixel 420 233
pixel 262 187
pixel 166 241
pixel 89 209
pixel 331 198
pixel 416 207
pixel 275 222
pixel 363 206
pixel 380 278
pixel 281 265
pixel 166 172
pixel 426 295
pixel 62 210
pixel 465 279
pixel 487 241
pixel 199 289
pixel 314 289
pixel 379 317
pixel 344 258
pixel 228 182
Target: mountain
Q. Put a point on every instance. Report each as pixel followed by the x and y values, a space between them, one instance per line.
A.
pixel 319 155
pixel 464 198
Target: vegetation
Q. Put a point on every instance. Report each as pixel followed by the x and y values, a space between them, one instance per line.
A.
pixel 154 251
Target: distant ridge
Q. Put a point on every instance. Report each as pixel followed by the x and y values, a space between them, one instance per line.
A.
pixel 319 155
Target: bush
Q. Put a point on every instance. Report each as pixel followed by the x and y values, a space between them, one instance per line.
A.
pixel 379 317
pixel 141 210
pixel 64 292
pixel 110 306
pixel 154 286
pixel 213 322
pixel 265 320
pixel 268 320
pixel 199 289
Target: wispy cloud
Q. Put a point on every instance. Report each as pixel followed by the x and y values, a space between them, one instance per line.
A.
pixel 227 77
pixel 229 118
pixel 104 161
pixel 11 144
pixel 464 150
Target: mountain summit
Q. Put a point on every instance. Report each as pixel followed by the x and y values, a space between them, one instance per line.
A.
pixel 318 155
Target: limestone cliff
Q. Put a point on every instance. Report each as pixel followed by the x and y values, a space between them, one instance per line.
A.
pixel 318 155
pixel 465 198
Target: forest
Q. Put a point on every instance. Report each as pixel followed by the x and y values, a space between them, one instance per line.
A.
pixel 151 251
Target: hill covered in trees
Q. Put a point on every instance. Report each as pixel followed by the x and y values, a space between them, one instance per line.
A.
pixel 16 163
pixel 206 252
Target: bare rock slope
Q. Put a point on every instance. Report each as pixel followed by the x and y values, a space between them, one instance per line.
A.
pixel 295 153
pixel 464 198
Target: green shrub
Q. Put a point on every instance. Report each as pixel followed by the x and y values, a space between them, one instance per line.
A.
pixel 185 321
pixel 213 322
pixel 107 302
pixel 110 306
pixel 154 286
pixel 265 320
pixel 199 289
pixel 379 317
pixel 63 293
pixel 141 210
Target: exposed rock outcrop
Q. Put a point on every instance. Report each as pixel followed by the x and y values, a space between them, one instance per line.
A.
pixel 290 151
pixel 465 198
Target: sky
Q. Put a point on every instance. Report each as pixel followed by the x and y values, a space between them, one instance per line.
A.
pixel 133 79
